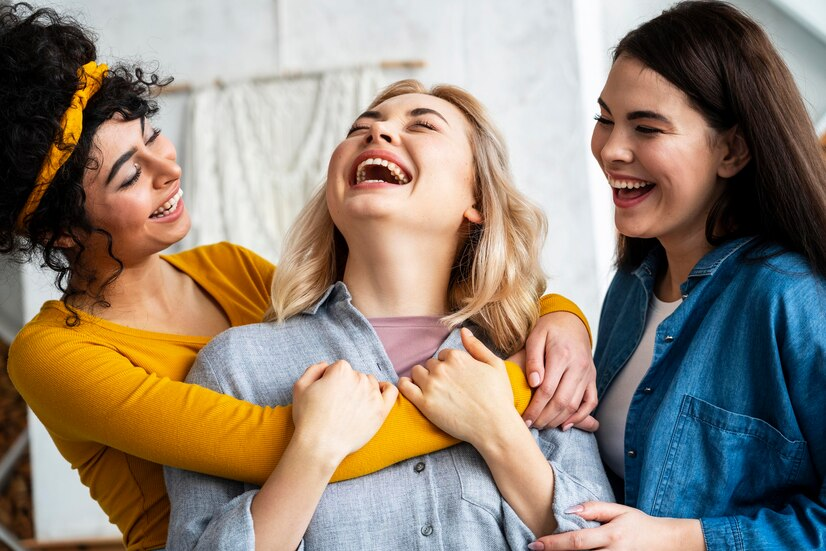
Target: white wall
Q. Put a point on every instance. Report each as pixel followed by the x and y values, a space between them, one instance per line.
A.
pixel 521 63
pixel 537 64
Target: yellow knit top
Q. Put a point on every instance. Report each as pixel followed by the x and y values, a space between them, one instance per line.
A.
pixel 113 401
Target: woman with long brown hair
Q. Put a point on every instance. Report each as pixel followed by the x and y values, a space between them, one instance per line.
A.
pixel 711 356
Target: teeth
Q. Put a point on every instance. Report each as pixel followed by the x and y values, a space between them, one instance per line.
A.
pixel 394 169
pixel 169 206
pixel 624 184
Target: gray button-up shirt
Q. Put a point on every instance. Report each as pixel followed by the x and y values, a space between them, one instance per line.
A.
pixel 443 500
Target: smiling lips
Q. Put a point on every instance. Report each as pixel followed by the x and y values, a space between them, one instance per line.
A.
pixel 170 206
pixel 626 190
pixel 378 170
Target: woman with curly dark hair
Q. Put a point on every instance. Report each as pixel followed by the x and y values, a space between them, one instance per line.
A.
pixel 89 186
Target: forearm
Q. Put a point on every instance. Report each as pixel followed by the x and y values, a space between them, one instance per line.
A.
pixel 283 508
pixel 550 304
pixel 522 474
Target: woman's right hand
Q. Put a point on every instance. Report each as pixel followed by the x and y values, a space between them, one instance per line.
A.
pixel 339 409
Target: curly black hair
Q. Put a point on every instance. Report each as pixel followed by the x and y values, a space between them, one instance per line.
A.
pixel 40 54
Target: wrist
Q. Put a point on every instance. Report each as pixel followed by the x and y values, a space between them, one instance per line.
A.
pixel 690 534
pixel 317 451
pixel 499 436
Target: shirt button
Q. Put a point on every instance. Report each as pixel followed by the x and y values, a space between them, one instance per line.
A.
pixel 632 454
pixel 427 530
pixel 647 390
pixel 668 338
pixel 419 467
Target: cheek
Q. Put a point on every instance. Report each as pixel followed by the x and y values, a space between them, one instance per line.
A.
pixel 336 165
pixel 597 142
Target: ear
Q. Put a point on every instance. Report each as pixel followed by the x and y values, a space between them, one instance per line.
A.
pixel 737 154
pixel 473 215
pixel 65 242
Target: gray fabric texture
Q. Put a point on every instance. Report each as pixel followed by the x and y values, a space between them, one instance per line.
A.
pixel 451 503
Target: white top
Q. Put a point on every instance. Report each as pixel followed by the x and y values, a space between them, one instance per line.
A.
pixel 613 409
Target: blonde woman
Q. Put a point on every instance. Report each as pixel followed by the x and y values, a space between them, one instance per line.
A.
pixel 93 191
pixel 417 236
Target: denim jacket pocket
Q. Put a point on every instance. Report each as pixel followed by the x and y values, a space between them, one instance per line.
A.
pixel 717 458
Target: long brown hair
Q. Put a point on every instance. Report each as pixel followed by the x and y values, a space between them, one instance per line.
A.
pixel 727 66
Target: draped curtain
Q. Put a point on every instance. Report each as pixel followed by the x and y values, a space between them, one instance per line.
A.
pixel 257 150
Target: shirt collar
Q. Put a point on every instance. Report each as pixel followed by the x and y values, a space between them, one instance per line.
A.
pixel 706 266
pixel 337 292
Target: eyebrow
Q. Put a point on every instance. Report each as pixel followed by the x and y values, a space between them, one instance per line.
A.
pixel 417 112
pixel 125 157
pixel 642 114
pixel 119 162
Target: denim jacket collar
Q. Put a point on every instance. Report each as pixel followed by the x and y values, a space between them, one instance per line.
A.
pixel 706 266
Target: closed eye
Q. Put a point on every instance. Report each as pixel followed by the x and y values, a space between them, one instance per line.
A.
pixel 425 124
pixel 648 130
pixel 132 180
pixel 603 120
pixel 356 128
pixel 155 133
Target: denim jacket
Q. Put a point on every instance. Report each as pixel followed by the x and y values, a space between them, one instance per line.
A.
pixel 442 500
pixel 729 423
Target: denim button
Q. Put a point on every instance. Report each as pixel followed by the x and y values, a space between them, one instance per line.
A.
pixel 632 453
pixel 684 296
pixel 668 338
pixel 419 467
pixel 647 390
pixel 427 530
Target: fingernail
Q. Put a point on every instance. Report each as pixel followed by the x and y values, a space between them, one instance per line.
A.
pixel 529 422
pixel 574 509
pixel 567 427
pixel 533 379
pixel 536 546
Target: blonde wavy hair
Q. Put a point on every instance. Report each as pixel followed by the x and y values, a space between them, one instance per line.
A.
pixel 496 280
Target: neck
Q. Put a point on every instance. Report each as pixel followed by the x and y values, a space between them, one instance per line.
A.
pixel 681 257
pixel 403 275
pixel 145 286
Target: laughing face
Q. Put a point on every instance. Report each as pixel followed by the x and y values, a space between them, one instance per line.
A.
pixel 135 194
pixel 662 160
pixel 407 162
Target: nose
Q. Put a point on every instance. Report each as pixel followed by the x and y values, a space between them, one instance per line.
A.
pixel 611 145
pixel 381 131
pixel 163 161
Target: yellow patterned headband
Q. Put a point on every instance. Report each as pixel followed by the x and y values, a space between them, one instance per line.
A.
pixel 91 77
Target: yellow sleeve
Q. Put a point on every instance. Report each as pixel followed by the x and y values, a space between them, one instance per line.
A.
pixel 87 392
pixel 549 304
pixel 407 433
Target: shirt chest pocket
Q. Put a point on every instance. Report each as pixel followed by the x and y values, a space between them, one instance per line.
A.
pixel 476 484
pixel 719 461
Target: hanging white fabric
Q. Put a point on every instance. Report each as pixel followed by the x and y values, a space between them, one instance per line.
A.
pixel 257 150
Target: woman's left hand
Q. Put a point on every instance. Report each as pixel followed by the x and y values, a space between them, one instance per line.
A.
pixel 561 369
pixel 625 528
pixel 466 394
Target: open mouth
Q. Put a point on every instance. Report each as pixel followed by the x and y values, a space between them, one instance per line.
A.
pixel 170 206
pixel 377 170
pixel 628 189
